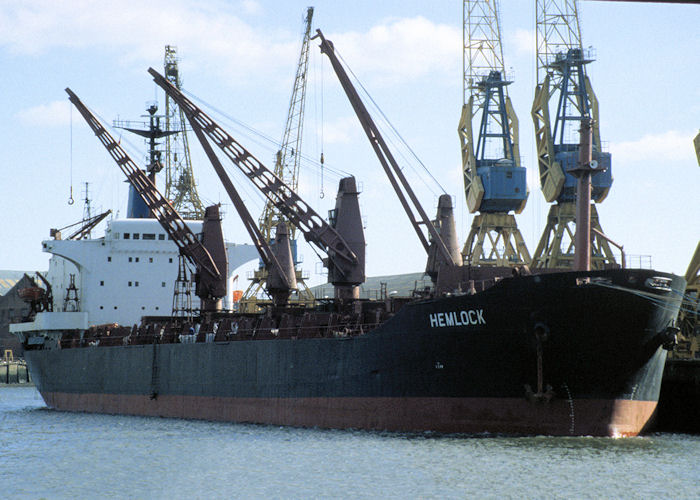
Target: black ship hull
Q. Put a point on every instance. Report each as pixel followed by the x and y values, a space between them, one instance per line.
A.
pixel 557 354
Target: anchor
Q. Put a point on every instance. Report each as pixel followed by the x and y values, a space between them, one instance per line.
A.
pixel 543 394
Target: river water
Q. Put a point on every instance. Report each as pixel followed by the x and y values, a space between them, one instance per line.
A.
pixel 51 454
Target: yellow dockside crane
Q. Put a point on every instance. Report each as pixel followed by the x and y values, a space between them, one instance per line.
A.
pixel 562 79
pixel 495 183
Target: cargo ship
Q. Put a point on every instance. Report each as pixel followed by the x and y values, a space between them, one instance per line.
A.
pixel 575 353
pixel 482 350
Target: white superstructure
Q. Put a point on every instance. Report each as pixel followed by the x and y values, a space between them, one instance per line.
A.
pixel 128 273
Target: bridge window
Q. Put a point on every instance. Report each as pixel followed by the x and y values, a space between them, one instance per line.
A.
pixel 161 237
pixel 149 236
pixel 136 236
pixel 127 236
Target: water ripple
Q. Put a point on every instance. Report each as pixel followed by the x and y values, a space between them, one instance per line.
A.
pixel 51 454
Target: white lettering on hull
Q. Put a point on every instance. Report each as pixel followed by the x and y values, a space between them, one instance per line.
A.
pixel 457 318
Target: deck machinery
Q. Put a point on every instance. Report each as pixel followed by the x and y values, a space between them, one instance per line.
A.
pixel 561 77
pixel 495 183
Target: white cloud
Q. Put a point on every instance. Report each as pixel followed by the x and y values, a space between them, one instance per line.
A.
pixel 213 33
pixel 216 38
pixel 401 49
pixel 667 146
pixel 53 114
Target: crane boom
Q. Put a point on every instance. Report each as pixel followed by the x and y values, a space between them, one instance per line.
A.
pixel 266 254
pixel 315 229
pixel 162 210
pixel 396 178
pixel 288 157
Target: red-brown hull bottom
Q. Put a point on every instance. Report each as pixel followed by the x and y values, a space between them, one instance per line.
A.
pixel 594 417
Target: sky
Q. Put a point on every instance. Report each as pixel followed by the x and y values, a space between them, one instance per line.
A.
pixel 239 57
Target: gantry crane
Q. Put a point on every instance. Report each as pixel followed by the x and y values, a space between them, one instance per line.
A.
pixel 180 185
pixel 561 73
pixel 495 183
pixel 287 163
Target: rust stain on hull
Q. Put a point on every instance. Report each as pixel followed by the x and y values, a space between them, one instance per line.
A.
pixel 594 417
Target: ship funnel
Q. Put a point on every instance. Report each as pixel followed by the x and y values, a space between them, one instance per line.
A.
pixel 347 221
pixel 445 224
pixel 209 287
pixel 281 283
pixel 136 208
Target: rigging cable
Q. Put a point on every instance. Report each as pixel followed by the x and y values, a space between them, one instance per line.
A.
pixel 70 198
pixel 321 194
pixel 386 120
pixel 272 144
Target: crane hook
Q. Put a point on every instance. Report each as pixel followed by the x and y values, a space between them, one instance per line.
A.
pixel 70 198
pixel 321 195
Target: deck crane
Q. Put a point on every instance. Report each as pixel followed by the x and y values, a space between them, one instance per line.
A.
pixel 561 72
pixel 341 239
pixel 287 163
pixel 281 278
pixel 180 186
pixel 208 255
pixel 84 227
pixel 495 183
pixel 444 258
